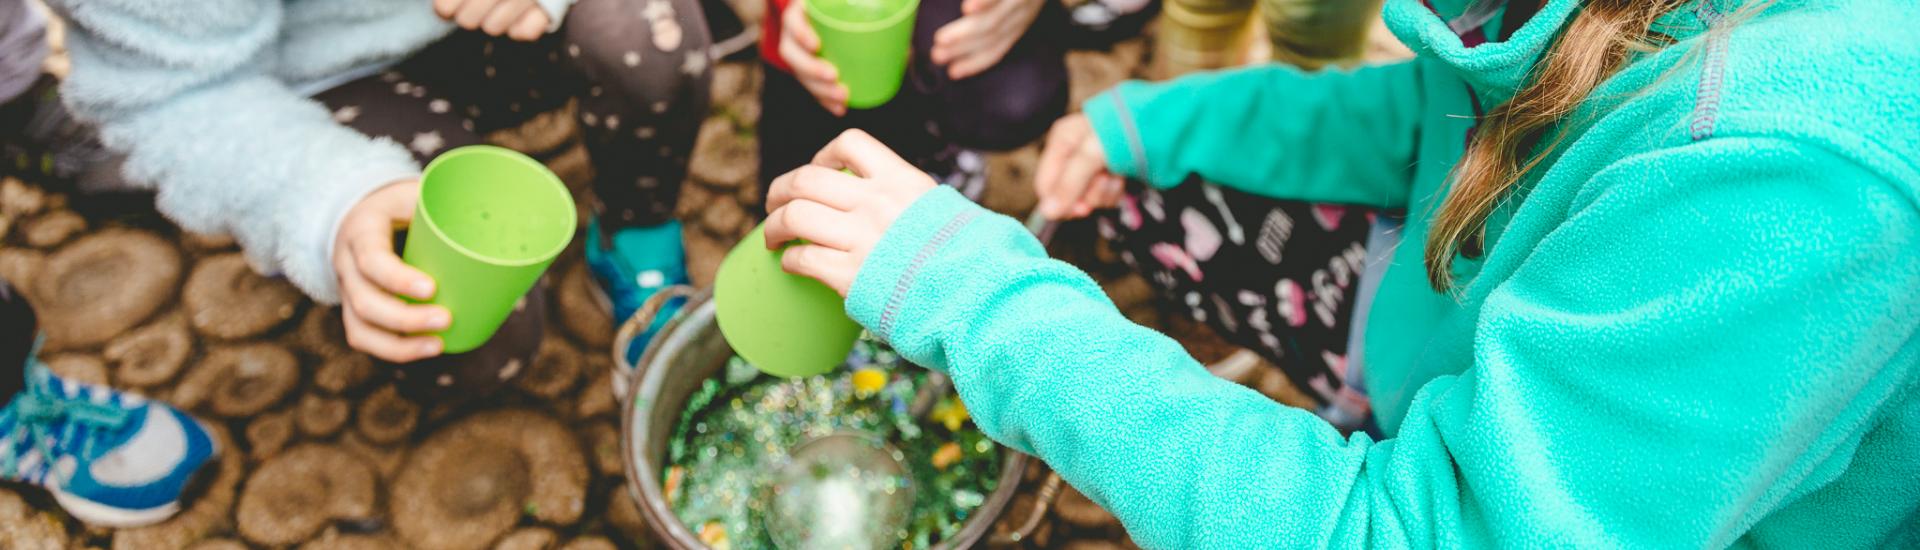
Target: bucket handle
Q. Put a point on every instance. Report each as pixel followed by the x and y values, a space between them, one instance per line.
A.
pixel 1042 503
pixel 637 324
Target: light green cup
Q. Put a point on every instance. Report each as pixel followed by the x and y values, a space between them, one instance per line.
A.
pixel 868 41
pixel 783 324
pixel 490 221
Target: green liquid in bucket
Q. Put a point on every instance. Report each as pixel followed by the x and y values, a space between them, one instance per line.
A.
pixel 731 452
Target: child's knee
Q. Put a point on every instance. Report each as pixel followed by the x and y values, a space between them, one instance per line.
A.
pixel 661 41
pixel 1010 117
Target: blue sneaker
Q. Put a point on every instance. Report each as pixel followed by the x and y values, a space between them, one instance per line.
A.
pixel 631 266
pixel 110 459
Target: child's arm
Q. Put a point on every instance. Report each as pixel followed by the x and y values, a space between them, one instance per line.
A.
pixel 1330 136
pixel 1687 353
pixel 181 86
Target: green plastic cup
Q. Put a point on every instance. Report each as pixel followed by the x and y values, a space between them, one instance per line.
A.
pixel 490 221
pixel 868 41
pixel 784 324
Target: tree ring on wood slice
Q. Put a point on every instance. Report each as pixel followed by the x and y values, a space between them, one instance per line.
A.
pixel 268 433
pixel 555 370
pixel 296 494
pixel 226 299
pixel 320 415
pixel 581 313
pixel 333 541
pixel 385 417
pixel 52 228
pixel 473 480
pixel 528 538
pixel 151 355
pixel 239 381
pixel 590 542
pixel 103 284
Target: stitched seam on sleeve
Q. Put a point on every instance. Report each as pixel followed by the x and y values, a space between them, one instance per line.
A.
pixel 1133 137
pixel 905 282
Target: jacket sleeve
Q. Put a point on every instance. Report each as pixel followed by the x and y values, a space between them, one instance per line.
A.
pixel 1688 352
pixel 182 88
pixel 1271 130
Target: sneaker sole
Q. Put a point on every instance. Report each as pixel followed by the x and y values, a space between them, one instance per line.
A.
pixel 101 515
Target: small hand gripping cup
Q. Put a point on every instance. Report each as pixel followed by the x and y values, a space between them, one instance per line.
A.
pixel 784 324
pixel 490 221
pixel 868 42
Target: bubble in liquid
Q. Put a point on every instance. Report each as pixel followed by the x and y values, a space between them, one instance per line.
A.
pixel 842 490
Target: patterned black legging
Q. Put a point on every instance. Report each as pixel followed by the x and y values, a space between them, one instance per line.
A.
pixel 639 69
pixel 1278 277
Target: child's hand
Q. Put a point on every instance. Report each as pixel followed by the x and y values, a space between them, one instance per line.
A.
pixel 798 43
pixel 370 274
pixel 1072 179
pixel 982 35
pixel 521 20
pixel 841 216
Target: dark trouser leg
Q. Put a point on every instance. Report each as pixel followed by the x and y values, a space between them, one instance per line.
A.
pixel 1278 277
pixel 639 71
pixel 18 331
pixel 645 66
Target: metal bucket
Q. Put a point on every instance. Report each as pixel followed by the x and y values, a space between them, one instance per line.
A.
pixel 689 350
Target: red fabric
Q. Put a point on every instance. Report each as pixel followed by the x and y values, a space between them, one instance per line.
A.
pixel 770 35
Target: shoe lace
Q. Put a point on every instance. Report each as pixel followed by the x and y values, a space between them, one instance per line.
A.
pixel 51 419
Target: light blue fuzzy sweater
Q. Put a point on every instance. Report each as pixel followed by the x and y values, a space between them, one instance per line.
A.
pixel 207 98
pixel 1696 325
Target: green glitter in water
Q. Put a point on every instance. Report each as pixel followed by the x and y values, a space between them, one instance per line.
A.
pixel 752 423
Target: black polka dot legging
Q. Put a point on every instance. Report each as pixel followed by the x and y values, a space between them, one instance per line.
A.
pixel 639 69
pixel 1278 277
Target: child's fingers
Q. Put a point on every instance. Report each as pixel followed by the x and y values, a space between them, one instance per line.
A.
pixel 474 12
pixel 531 26
pixel 446 8
pixel 949 40
pixel 826 186
pixel 796 25
pixel 836 268
pixel 383 311
pixel 979 61
pixel 970 7
pixel 1062 141
pixel 860 152
pixel 374 259
pixel 1106 192
pixel 1075 178
pixel 503 16
pixel 818 224
pixel 810 221
pixel 386 345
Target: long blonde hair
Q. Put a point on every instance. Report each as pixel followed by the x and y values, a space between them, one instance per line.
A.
pixel 1594 45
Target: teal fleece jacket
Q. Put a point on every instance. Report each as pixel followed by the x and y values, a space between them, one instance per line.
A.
pixel 1696 325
